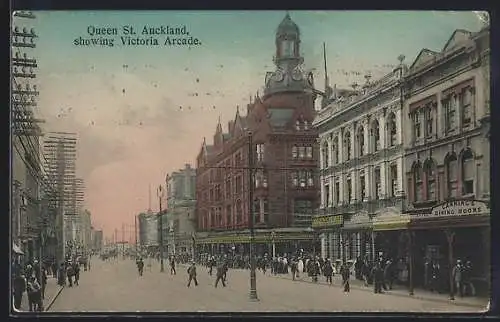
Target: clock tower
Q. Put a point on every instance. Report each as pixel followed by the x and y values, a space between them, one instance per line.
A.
pixel 289 75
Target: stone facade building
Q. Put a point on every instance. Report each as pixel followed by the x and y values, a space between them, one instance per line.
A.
pixel 180 219
pixel 447 111
pixel 284 148
pixel 361 161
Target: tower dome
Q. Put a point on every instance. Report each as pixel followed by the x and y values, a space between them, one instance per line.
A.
pixel 287 27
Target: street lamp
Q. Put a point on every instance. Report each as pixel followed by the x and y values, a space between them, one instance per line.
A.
pixel 251 182
pixel 160 223
pixel 273 236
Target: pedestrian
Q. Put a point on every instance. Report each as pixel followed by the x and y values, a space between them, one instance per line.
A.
pixel 211 264
pixel 346 274
pixel 77 273
pixel 328 271
pixel 457 274
pixel 220 275
pixel 140 266
pixel 34 295
pixel 43 282
pixel 225 267
pixel 378 276
pixel 172 265
pixel 19 286
pixel 192 274
pixel 70 273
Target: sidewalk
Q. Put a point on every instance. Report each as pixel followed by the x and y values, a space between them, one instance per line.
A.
pixel 52 290
pixel 399 290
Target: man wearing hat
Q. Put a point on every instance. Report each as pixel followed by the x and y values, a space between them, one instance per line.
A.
pixel 192 274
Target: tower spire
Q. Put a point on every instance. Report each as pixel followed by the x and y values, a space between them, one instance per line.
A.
pixel 326 69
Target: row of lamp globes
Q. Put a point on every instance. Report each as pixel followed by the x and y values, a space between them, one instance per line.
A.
pixel 22 40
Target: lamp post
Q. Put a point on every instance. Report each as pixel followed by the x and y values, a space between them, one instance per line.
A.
pixel 273 241
pixel 160 223
pixel 253 278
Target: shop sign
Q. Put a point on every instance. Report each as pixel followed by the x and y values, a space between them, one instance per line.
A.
pixel 327 221
pixel 459 208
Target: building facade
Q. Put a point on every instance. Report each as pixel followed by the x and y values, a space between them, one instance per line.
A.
pixel 447 111
pixel 361 161
pixel 27 172
pixel 277 133
pixel 148 230
pixel 180 220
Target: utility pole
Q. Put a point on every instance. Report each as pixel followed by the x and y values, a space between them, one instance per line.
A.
pixel 123 240
pixel 160 223
pixel 251 182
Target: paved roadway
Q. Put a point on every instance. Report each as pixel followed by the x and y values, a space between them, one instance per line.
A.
pixel 115 286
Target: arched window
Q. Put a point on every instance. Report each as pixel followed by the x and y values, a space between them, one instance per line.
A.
pixel 360 138
pixel 467 172
pixel 375 136
pixel 335 151
pixel 347 145
pixel 391 129
pixel 451 168
pixel 418 181
pixel 324 151
pixel 430 177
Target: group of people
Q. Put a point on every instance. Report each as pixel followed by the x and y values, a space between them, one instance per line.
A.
pixel 30 279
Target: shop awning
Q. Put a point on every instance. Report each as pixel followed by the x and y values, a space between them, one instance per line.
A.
pixel 16 249
pixel 358 221
pixel 395 222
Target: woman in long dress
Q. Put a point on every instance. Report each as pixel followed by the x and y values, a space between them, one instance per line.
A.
pixel 300 267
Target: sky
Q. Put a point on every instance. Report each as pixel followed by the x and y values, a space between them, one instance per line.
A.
pixel 141 112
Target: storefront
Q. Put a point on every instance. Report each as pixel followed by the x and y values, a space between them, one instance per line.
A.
pixel 454 230
pixel 357 236
pixel 278 242
pixel 390 235
pixel 329 230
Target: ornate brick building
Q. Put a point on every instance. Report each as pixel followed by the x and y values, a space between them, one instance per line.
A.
pixel 285 159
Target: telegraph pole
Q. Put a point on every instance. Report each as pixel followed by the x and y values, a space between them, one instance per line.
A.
pixel 160 223
pixel 135 230
pixel 253 277
pixel 123 240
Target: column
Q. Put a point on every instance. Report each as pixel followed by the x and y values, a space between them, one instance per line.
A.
pixel 369 181
pixel 354 186
pixel 323 193
pixel 341 186
pixel 332 247
pixel 323 246
pixel 261 209
pixel 353 140
pixel 340 145
pixel 358 244
pixel 381 124
pixel 399 165
pixel 440 116
pixel 329 151
pixel 366 127
pixel 399 125
pixel 331 184
pixel 341 242
pixel 383 179
pixel 321 157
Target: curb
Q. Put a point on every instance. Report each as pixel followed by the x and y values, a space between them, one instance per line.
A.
pixel 54 299
pixel 418 297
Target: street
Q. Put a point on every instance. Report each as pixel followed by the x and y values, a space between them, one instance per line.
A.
pixel 115 286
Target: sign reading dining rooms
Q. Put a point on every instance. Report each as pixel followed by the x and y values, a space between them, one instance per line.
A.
pixel 460 208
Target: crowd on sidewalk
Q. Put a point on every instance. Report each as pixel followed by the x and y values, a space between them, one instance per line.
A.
pixel 31 277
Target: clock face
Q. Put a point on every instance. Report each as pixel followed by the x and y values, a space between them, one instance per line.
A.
pixel 297 74
pixel 278 75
